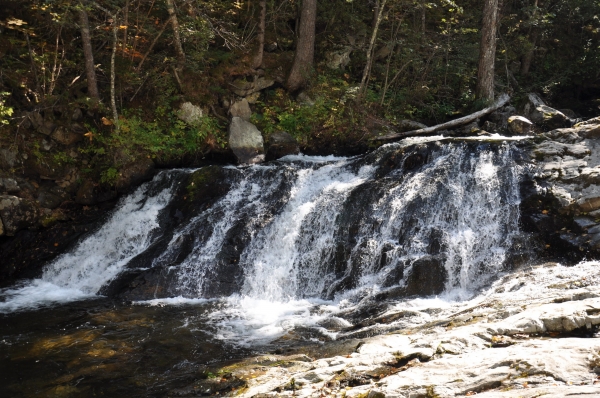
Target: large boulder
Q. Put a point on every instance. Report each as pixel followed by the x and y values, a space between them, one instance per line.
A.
pixel 190 113
pixel 543 115
pixel 241 109
pixel 17 213
pixel 246 141
pixel 281 144
pixel 519 125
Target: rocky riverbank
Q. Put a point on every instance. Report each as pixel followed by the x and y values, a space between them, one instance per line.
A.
pixel 535 332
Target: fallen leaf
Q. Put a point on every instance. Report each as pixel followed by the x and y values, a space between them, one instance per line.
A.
pixel 106 121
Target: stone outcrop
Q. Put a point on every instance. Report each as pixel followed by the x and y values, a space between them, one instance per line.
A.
pixel 246 141
pixel 564 202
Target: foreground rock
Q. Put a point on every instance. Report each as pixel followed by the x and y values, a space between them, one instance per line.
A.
pixel 519 341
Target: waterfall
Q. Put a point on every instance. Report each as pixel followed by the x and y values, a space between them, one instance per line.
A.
pixel 315 228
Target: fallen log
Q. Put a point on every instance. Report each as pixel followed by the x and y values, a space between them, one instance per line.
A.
pixel 500 102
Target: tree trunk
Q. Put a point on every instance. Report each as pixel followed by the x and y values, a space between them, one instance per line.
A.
pixel 487 52
pixel 305 48
pixel 175 24
pixel 528 57
pixel 367 71
pixel 126 23
pixel 258 59
pixel 88 53
pixel 113 102
pixel 533 34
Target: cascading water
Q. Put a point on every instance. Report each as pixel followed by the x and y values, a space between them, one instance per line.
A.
pixel 419 219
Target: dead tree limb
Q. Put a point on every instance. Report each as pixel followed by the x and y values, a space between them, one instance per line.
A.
pixel 501 101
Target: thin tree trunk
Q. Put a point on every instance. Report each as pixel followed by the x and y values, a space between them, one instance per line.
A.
pixel 88 53
pixel 113 102
pixel 367 70
pixel 487 52
pixel 533 34
pixel 258 59
pixel 126 23
pixel 162 30
pixel 175 24
pixel 375 14
pixel 305 47
pixel 528 57
pixel 33 66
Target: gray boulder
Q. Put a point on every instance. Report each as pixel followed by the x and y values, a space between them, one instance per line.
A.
pixel 190 113
pixel 543 115
pixel 17 213
pixel 241 109
pixel 246 141
pixel 519 125
pixel 281 144
pixel 548 117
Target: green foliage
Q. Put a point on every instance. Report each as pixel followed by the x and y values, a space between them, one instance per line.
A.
pixel 109 176
pixel 327 109
pixel 5 111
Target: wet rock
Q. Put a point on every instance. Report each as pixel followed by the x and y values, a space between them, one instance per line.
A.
pixel 246 141
pixel 241 109
pixel 244 88
pixel 134 174
pixel 519 125
pixel 190 113
pixel 65 137
pixel 17 213
pixel 281 144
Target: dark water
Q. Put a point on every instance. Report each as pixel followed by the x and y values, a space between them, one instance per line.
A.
pixel 102 348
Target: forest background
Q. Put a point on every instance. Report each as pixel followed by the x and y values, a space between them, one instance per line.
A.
pixel 106 79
